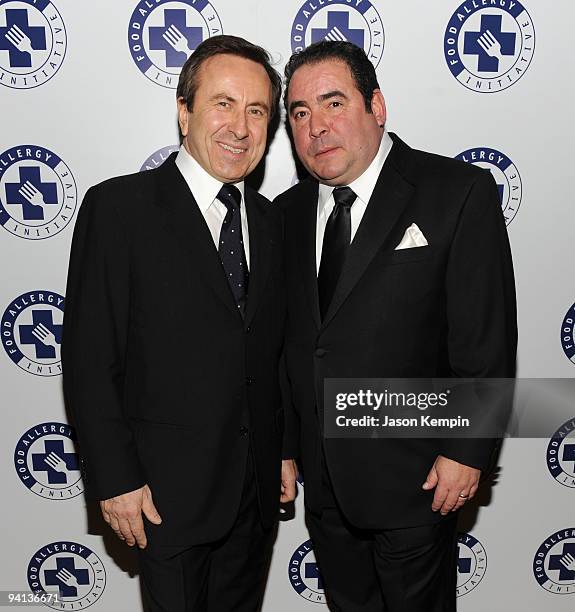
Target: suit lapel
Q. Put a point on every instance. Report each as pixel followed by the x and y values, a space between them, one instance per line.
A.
pixel 184 220
pixel 389 199
pixel 306 224
pixel 260 238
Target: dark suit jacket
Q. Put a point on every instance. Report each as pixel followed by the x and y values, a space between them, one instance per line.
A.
pixel 443 310
pixel 168 385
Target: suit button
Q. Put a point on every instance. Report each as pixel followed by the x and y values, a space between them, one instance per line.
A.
pixel 248 329
pixel 243 430
pixel 249 381
pixel 319 352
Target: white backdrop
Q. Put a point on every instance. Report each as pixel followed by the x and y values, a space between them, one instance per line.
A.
pixel 85 95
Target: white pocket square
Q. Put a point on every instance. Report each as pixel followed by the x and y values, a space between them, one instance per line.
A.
pixel 413 237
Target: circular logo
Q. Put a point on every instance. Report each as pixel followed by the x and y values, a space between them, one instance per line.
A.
pixel 359 24
pixel 304 574
pixel 32 42
pixel 471 563
pixel 38 193
pixel 32 332
pixel 505 174
pixel 568 334
pixel 163 34
pixel 489 48
pixel 73 572
pixel 157 158
pixel 47 463
pixel 561 454
pixel 554 563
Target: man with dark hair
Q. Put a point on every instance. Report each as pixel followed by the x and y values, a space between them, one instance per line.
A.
pixel 398 266
pixel 172 336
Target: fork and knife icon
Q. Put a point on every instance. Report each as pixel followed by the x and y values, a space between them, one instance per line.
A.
pixel 490 45
pixel 177 40
pixel 31 194
pixel 19 39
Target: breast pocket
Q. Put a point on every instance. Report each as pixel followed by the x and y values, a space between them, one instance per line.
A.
pixel 411 255
pixel 415 277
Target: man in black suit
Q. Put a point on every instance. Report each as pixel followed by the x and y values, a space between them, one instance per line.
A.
pixel 398 266
pixel 172 339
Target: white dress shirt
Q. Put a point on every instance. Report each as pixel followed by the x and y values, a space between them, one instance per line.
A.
pixel 363 187
pixel 205 189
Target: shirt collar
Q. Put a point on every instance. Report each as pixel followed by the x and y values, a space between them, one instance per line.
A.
pixel 204 186
pixel 363 185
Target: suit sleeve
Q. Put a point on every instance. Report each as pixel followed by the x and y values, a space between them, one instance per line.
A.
pixel 290 449
pixel 94 349
pixel 481 305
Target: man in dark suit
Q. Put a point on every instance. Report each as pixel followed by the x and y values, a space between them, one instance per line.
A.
pixel 172 339
pixel 398 266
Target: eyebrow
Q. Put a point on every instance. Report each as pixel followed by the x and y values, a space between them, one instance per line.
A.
pixel 336 93
pixel 228 98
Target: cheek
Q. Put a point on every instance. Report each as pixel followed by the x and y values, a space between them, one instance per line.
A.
pixel 259 136
pixel 301 142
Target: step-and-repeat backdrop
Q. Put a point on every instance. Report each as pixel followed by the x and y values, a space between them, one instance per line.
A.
pixel 87 91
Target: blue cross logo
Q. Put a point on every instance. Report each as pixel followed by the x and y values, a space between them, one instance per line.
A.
pixel 471 46
pixel 569 453
pixel 555 563
pixel 66 563
pixel 193 35
pixel 500 189
pixel 312 572
pixel 41 317
pixel 18 18
pixel 57 447
pixel 49 191
pixel 338 29
pixel 463 563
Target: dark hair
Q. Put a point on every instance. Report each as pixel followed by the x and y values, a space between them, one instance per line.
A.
pixel 361 68
pixel 230 45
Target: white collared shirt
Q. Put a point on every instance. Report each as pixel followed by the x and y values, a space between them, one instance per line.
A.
pixel 205 189
pixel 363 187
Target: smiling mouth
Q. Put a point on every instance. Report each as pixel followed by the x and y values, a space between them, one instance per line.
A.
pixel 231 149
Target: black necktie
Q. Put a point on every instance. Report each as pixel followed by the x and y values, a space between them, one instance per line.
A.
pixel 336 242
pixel 231 246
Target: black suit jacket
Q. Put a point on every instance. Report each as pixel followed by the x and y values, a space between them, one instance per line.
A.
pixel 442 310
pixel 168 385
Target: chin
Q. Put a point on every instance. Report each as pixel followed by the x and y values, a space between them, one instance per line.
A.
pixel 329 178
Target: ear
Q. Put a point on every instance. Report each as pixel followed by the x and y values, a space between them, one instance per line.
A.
pixel 183 116
pixel 378 107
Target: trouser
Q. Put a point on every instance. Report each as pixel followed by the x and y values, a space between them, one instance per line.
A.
pixel 228 575
pixel 393 570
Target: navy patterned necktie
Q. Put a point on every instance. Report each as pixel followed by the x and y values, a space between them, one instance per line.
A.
pixel 336 241
pixel 231 246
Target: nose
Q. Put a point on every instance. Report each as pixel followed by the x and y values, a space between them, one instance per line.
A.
pixel 318 126
pixel 238 125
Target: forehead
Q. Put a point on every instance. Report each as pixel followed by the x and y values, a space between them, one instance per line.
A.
pixel 228 73
pixel 312 80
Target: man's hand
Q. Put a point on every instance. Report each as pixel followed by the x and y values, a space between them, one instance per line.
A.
pixel 289 476
pixel 455 483
pixel 124 514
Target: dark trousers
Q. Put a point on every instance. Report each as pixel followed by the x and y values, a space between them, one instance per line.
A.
pixel 393 570
pixel 224 576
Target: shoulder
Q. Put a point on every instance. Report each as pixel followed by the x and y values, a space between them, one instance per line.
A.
pixel 431 169
pixel 437 166
pixel 299 192
pixel 267 209
pixel 124 189
pixel 123 196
